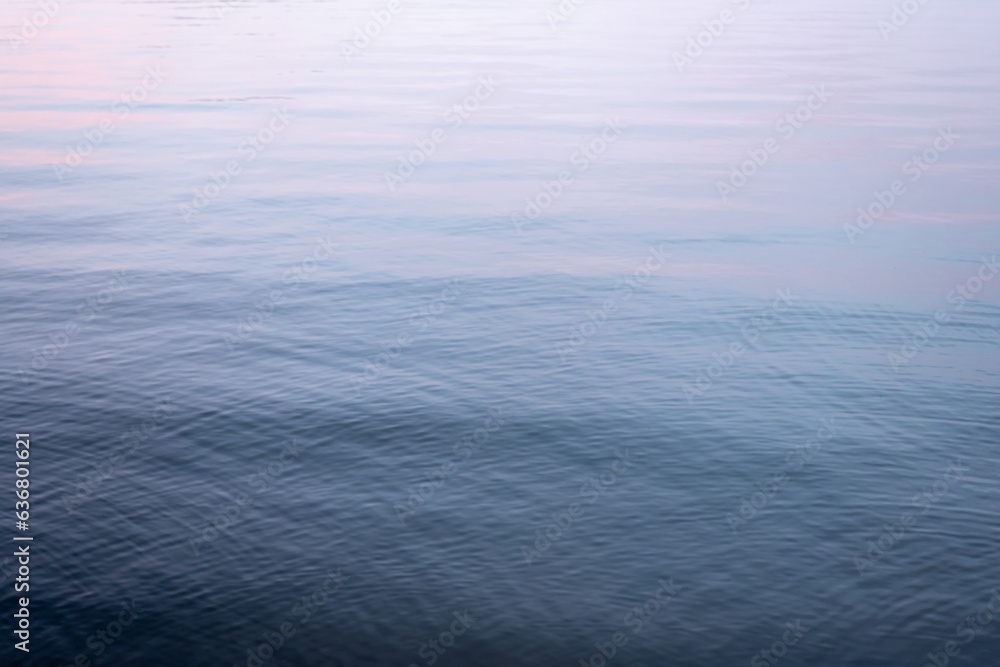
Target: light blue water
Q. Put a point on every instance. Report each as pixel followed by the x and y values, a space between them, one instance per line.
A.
pixel 636 318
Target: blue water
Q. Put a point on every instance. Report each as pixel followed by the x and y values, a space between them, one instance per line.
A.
pixel 309 400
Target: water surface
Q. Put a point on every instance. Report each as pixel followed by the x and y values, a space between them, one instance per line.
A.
pixel 375 328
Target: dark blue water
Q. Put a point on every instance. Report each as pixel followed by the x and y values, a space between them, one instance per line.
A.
pixel 353 421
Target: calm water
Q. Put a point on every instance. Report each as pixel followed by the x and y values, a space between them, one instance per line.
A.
pixel 303 395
